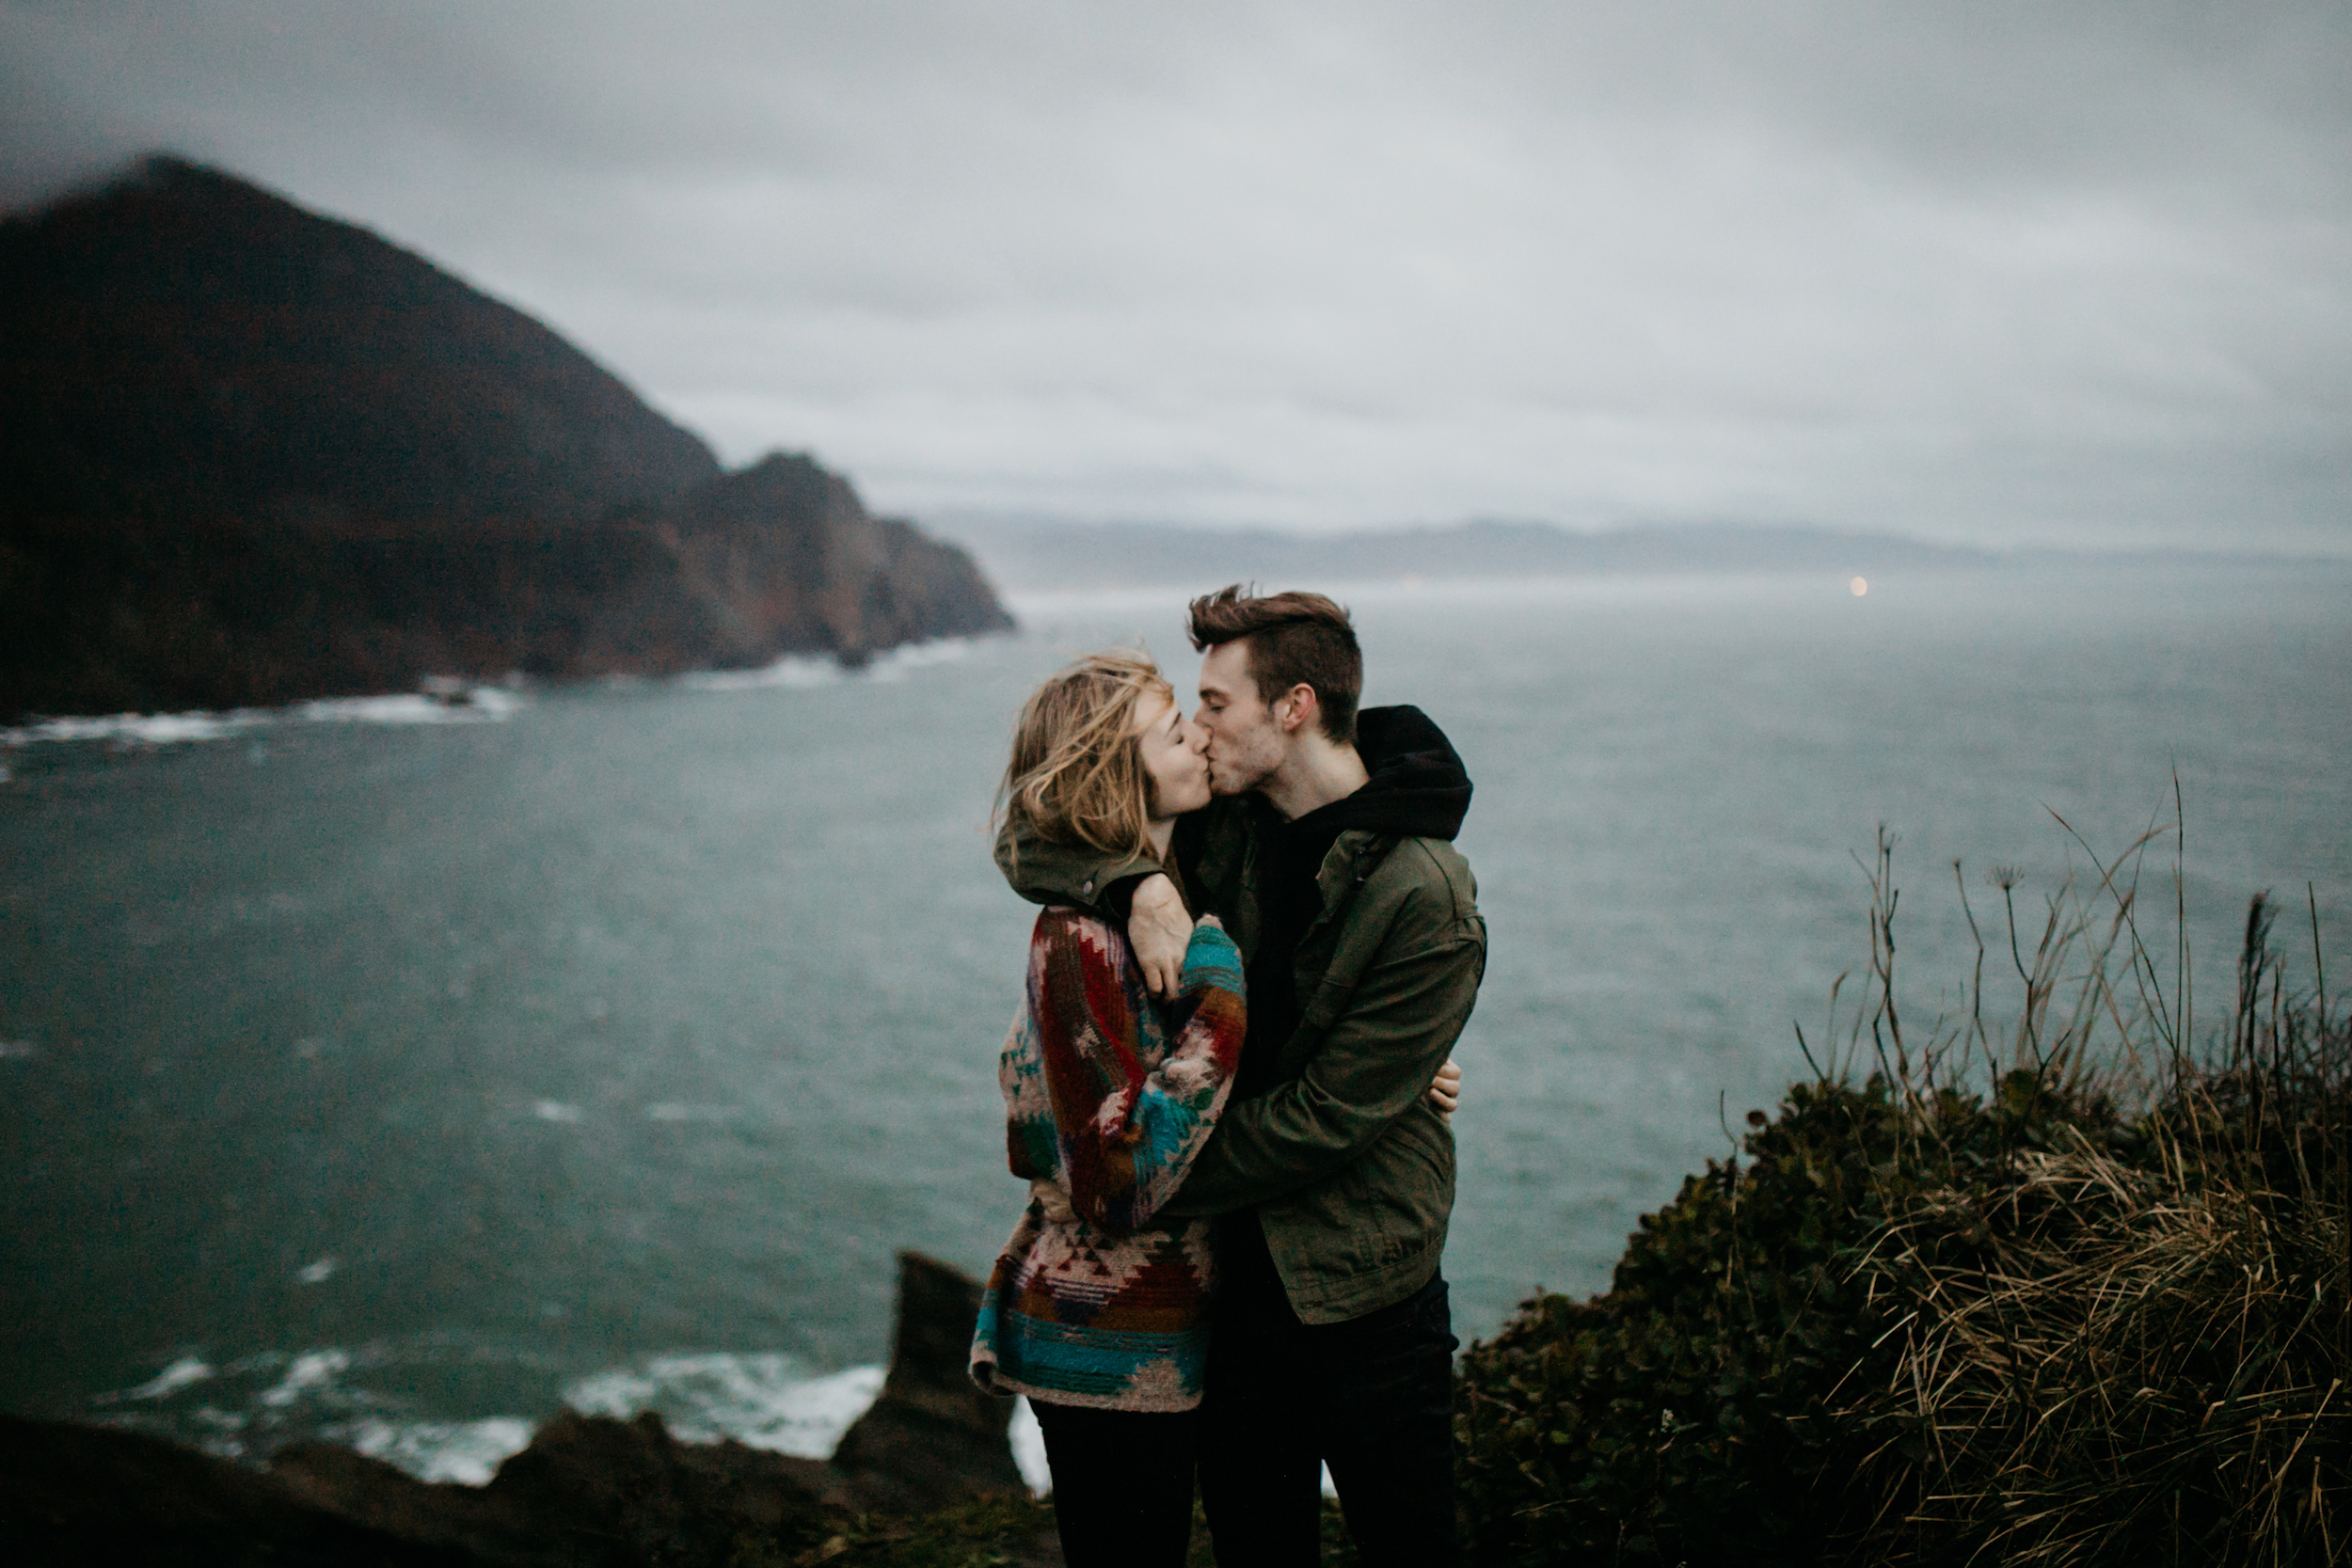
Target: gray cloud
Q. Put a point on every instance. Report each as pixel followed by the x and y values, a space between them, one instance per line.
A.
pixel 2001 272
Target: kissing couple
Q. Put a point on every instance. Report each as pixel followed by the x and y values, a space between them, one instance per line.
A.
pixel 1229 1090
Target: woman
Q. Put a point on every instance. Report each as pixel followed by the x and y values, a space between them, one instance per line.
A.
pixel 1096 1313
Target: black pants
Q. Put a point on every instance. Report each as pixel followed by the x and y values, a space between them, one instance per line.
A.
pixel 1122 1483
pixel 1372 1397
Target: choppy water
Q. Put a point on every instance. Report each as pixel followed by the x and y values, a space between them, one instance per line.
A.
pixel 404 1071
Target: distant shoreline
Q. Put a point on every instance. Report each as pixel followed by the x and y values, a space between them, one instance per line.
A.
pixel 1027 554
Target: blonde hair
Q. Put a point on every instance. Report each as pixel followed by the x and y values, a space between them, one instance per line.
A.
pixel 1077 775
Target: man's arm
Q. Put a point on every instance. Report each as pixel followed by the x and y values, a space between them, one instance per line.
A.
pixel 1044 872
pixel 1376 1061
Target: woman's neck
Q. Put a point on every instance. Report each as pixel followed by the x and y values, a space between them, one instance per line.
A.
pixel 1159 831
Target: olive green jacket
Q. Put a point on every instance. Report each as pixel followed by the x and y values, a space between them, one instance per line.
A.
pixel 1349 1168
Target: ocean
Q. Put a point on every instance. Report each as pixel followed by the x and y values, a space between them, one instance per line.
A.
pixel 402 1070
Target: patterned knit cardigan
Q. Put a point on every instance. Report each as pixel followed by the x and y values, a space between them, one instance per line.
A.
pixel 1108 1097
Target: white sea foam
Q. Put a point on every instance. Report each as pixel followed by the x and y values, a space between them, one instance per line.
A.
pixel 468 1452
pixel 313 1371
pixel 1028 1448
pixel 316 1273
pixel 448 704
pixel 471 705
pixel 180 1374
pixel 894 665
pixel 792 670
pixel 19 1050
pixel 555 1110
pixel 761 1400
pixel 153 729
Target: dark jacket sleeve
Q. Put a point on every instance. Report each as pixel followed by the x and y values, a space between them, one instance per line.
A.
pixel 1372 1067
pixel 1044 872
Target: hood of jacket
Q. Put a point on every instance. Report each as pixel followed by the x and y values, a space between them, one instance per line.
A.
pixel 1418 787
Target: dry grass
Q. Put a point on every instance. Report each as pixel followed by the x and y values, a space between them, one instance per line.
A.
pixel 2133 1344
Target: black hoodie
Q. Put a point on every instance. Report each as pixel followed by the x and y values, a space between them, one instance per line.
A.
pixel 1417 789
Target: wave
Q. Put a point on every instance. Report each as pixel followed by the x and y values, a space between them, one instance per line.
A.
pixel 450 702
pixel 440 703
pixel 792 670
pixel 152 729
pixel 814 669
pixel 253 1406
pixel 477 705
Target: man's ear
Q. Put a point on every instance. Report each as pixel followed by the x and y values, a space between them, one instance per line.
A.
pixel 1297 707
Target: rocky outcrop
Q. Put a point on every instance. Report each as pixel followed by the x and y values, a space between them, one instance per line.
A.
pixel 932 1434
pixel 250 454
pixel 590 1492
pixel 783 558
pixel 75 1495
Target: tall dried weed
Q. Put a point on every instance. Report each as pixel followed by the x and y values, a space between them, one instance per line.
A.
pixel 2075 1289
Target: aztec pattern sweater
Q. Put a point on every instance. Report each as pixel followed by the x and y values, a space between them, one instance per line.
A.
pixel 1108 1096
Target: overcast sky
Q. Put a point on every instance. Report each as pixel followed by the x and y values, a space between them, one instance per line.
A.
pixel 1992 272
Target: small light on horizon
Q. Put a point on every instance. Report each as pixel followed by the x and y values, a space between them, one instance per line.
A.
pixel 1860 586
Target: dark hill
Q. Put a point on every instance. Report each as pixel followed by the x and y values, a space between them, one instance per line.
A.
pixel 250 455
pixel 183 340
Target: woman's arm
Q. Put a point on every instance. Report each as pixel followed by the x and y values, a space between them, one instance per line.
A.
pixel 1128 1136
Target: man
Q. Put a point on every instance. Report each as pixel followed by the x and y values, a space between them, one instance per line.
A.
pixel 1328 855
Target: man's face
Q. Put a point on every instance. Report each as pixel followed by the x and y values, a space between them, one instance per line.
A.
pixel 1245 740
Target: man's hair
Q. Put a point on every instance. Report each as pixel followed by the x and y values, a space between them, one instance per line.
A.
pixel 1077 776
pixel 1294 640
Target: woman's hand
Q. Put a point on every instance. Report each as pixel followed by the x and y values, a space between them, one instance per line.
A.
pixel 1158 930
pixel 1445 1090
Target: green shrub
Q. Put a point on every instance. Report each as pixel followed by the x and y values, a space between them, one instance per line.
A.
pixel 1919 1324
pixel 1688 1415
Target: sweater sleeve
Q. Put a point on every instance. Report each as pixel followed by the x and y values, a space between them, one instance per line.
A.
pixel 1128 1133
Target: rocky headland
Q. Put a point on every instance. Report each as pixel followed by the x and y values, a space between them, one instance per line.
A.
pixel 929 1460
pixel 250 455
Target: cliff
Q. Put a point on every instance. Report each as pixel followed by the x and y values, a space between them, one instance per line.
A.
pixel 250 454
pixel 590 1492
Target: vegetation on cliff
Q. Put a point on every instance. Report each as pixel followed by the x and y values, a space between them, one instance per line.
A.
pixel 2097 1309
pixel 250 454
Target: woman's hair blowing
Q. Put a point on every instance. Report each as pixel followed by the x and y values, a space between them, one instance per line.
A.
pixel 1077 775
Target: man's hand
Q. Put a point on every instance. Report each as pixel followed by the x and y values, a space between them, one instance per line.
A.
pixel 1159 930
pixel 1445 1090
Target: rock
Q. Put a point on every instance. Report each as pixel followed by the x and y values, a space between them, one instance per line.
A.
pixel 250 454
pixel 76 1495
pixel 589 1492
pixel 783 558
pixel 933 1435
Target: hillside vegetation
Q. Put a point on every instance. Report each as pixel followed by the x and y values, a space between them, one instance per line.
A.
pixel 2071 1293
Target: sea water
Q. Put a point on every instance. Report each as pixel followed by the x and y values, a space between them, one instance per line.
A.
pixel 403 1071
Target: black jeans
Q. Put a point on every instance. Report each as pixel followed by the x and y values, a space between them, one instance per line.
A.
pixel 1372 1397
pixel 1122 1483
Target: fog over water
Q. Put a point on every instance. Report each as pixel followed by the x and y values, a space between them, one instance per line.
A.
pixel 404 1072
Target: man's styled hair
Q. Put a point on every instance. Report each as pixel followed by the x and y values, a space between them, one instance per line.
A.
pixel 1077 776
pixel 1294 640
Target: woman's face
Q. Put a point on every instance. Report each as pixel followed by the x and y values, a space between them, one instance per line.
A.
pixel 1175 756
